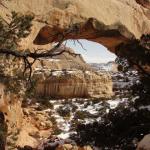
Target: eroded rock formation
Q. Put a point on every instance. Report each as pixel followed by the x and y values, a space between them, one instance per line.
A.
pixel 70 84
pixel 69 76
pixel 10 104
pixel 107 22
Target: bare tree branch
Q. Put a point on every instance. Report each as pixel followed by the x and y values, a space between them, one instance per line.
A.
pixel 26 56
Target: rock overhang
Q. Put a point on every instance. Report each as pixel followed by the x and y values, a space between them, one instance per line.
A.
pixel 108 35
pixel 108 22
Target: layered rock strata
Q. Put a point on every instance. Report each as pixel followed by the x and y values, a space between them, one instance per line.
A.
pixel 75 83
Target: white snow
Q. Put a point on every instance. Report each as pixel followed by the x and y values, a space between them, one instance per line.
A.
pixel 145 107
pixel 56 73
pixel 64 135
pixel 54 60
pixel 57 106
pixel 113 103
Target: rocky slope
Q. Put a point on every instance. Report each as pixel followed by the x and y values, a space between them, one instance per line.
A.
pixel 25 125
pixel 67 60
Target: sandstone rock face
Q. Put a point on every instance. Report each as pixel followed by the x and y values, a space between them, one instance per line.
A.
pixel 25 125
pixel 109 30
pixel 144 143
pixel 11 106
pixel 75 83
pixel 108 22
pixel 68 76
pixel 35 125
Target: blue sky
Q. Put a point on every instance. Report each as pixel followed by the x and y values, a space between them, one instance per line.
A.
pixel 94 53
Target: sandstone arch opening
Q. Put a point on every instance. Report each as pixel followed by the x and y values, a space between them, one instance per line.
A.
pixel 114 37
pixel 108 35
pixel 92 52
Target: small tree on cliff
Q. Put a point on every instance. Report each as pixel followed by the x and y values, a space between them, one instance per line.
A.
pixel 20 27
pixel 16 65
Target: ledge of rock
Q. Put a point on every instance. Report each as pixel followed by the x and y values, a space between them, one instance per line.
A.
pixel 144 3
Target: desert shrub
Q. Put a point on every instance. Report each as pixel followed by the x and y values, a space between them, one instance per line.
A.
pixel 56 130
pixel 53 120
pixel 95 101
pixel 82 115
pixel 64 111
pixel 121 126
pixel 73 107
pixel 44 104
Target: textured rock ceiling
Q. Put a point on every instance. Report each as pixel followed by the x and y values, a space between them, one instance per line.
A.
pixel 108 22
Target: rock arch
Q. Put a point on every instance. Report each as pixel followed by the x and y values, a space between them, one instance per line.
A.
pixel 107 22
pixel 108 35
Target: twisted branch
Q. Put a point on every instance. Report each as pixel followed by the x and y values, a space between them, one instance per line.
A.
pixel 36 55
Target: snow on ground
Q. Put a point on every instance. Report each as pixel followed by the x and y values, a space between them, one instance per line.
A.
pixel 87 110
pixel 113 104
pixel 53 60
pixel 145 107
pixel 64 135
pixel 68 113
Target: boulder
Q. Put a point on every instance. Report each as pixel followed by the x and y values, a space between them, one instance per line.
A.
pixel 144 144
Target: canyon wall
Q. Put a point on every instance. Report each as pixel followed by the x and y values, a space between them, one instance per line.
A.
pixel 70 84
